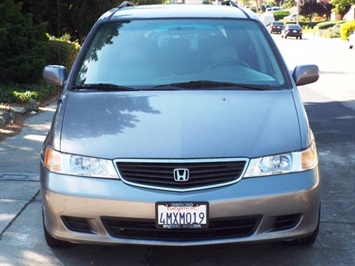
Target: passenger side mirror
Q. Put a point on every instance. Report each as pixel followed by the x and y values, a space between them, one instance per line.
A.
pixel 305 74
pixel 54 75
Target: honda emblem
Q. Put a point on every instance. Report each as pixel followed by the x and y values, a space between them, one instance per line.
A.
pixel 181 174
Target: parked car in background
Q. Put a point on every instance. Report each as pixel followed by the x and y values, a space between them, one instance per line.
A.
pixel 292 30
pixel 351 40
pixel 179 126
pixel 291 17
pixel 276 27
pixel 273 9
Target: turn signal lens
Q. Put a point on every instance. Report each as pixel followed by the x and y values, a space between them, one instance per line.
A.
pixel 52 160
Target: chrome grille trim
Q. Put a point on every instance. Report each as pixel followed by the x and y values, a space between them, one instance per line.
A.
pixel 167 182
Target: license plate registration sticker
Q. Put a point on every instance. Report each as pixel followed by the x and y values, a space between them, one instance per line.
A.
pixel 181 215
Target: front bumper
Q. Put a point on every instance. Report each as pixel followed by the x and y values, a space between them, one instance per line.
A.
pixel 76 209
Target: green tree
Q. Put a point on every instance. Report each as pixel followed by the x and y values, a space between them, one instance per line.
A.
pixel 309 9
pixel 43 11
pixel 23 46
pixel 73 17
pixel 342 6
pixel 324 8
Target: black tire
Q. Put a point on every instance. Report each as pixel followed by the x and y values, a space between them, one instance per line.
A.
pixel 308 240
pixel 53 242
pixel 301 37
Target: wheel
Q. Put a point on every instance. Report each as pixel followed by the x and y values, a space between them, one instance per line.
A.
pixel 296 38
pixel 230 62
pixel 308 240
pixel 301 37
pixel 53 242
pixel 285 36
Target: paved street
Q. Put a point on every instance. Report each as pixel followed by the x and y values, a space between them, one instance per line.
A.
pixel 330 104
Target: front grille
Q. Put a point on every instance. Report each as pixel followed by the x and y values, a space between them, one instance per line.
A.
pixel 146 230
pixel 160 174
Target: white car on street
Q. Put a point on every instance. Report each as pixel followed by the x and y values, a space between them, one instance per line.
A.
pixel 291 17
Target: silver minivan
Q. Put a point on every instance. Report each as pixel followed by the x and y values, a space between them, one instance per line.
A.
pixel 179 125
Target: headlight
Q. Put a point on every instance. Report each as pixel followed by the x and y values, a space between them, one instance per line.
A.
pixel 70 164
pixel 283 163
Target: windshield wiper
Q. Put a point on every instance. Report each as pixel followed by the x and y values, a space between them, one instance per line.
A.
pixel 203 84
pixel 102 87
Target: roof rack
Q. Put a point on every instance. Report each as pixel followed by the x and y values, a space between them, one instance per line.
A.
pixel 126 4
pixel 229 3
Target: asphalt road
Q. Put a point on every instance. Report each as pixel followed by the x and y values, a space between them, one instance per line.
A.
pixel 330 104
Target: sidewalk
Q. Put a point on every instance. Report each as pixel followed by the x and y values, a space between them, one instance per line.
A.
pixel 19 161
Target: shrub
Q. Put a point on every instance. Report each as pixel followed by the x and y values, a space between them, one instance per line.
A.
pixel 333 32
pixel 16 93
pixel 346 29
pixel 278 15
pixel 328 24
pixel 308 25
pixel 62 52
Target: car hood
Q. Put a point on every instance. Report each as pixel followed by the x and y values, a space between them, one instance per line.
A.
pixel 180 124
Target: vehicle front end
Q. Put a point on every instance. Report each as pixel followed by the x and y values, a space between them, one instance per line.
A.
pixel 200 139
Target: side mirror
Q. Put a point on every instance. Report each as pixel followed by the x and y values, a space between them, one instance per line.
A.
pixel 54 75
pixel 305 74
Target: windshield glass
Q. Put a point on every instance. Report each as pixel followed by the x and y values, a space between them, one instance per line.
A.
pixel 151 53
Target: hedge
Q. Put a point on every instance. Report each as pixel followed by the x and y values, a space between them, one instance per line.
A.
pixel 21 93
pixel 62 52
pixel 328 24
pixel 278 15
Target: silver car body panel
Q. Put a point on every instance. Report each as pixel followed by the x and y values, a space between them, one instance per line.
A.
pixel 185 124
pixel 94 198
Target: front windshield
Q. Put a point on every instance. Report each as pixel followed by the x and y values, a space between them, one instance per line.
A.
pixel 151 53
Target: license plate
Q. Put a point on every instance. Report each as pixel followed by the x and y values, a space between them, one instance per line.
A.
pixel 181 215
pixel 294 31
